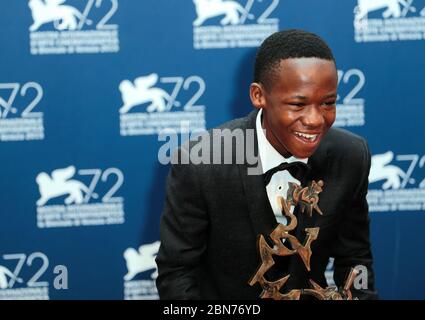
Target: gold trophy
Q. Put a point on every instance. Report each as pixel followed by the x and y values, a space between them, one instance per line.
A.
pixel 308 199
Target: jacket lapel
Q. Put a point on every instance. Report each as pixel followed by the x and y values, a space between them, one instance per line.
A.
pixel 261 214
pixel 259 208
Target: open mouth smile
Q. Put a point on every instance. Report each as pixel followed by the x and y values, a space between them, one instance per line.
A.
pixel 307 137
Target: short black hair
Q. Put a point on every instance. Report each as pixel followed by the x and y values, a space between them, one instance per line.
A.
pixel 287 44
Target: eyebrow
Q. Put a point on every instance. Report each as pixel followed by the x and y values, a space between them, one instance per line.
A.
pixel 300 97
pixel 332 95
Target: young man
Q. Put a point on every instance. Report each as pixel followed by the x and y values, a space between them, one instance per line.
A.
pixel 214 214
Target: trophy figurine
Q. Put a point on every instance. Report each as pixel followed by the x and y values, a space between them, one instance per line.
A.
pixel 307 198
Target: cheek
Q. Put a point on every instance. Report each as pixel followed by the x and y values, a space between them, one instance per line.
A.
pixel 330 117
pixel 284 120
pixel 284 127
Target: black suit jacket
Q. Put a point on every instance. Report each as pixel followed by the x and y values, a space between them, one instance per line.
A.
pixel 214 214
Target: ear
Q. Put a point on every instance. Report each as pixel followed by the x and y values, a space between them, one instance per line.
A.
pixel 256 93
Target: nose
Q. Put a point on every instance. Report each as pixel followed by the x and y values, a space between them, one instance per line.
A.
pixel 313 117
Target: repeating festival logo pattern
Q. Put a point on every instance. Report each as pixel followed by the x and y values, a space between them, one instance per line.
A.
pixel 152 104
pixel 22 276
pixel 350 105
pixel 223 24
pixel 65 195
pixel 142 271
pixel 74 27
pixel 389 20
pixel 20 115
pixel 396 183
pixel 67 200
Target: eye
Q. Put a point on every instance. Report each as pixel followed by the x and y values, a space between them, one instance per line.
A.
pixel 297 104
pixel 329 104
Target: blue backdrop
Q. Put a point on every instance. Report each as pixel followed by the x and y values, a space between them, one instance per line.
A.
pixel 86 86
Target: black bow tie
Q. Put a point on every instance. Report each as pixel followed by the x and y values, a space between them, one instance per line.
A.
pixel 297 169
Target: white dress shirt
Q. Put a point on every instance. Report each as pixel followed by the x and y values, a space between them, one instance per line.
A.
pixel 271 158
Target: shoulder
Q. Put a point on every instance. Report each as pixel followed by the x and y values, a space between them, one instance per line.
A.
pixel 346 146
pixel 216 145
pixel 340 140
pixel 240 123
pixel 230 129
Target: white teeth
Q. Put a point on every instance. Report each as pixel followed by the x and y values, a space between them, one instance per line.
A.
pixel 310 137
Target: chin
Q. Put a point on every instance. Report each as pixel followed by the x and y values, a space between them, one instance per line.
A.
pixel 303 154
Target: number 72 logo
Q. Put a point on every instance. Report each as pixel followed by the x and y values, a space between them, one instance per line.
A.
pixel 22 262
pixel 9 105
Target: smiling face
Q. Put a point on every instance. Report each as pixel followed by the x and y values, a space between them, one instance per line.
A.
pixel 298 104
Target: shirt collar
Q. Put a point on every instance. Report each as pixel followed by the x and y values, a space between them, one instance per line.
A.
pixel 269 156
